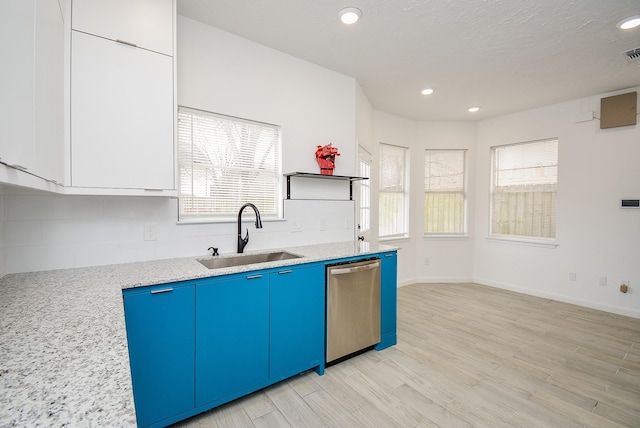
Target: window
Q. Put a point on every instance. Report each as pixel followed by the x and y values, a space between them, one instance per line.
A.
pixel 444 192
pixel 364 197
pixel 393 195
pixel 524 187
pixel 225 162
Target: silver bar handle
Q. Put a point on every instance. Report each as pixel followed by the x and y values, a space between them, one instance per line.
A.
pixel 163 290
pixel 19 167
pixel 254 276
pixel 282 272
pixel 343 271
pixel 124 42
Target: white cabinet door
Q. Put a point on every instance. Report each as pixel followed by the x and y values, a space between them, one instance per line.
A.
pixel 146 23
pixel 49 91
pixel 17 32
pixel 31 87
pixel 121 115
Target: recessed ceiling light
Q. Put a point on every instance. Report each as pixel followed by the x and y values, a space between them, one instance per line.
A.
pixel 630 22
pixel 350 15
pixel 427 91
pixel 473 109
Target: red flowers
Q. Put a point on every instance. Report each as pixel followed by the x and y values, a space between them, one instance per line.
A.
pixel 327 152
pixel 326 157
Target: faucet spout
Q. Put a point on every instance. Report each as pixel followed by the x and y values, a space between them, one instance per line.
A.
pixel 242 242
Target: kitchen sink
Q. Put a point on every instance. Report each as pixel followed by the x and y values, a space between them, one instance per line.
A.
pixel 248 259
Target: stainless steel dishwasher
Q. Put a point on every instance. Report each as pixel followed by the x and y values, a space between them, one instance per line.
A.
pixel 353 307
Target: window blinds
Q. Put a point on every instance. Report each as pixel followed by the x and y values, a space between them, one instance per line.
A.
pixel 225 162
pixel 393 199
pixel 444 186
pixel 524 189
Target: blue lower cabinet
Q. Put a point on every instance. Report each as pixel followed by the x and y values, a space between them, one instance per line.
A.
pixel 296 302
pixel 195 345
pixel 389 299
pixel 161 337
pixel 232 336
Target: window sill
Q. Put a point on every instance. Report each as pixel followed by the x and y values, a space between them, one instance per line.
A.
pixel 521 240
pixel 394 238
pixel 225 220
pixel 463 237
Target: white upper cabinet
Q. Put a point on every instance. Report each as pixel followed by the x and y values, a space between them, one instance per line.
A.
pixel 17 35
pixel 122 105
pixel 49 91
pixel 122 114
pixel 146 23
pixel 32 88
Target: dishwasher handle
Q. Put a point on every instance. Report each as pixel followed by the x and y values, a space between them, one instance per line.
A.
pixel 342 271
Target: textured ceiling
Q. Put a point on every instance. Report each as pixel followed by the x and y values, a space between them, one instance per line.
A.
pixel 503 55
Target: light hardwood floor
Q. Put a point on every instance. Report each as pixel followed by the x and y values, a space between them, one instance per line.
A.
pixel 467 356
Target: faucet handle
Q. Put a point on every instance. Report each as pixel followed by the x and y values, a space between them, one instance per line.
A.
pixel 215 251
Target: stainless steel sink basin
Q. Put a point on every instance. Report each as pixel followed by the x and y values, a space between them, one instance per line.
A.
pixel 249 259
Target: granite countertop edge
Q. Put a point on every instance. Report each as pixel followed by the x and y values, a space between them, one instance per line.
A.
pixel 143 274
pixel 63 348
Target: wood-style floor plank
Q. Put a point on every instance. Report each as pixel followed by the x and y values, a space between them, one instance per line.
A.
pixel 467 356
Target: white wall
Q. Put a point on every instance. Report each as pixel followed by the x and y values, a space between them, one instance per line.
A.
pixel 595 237
pixel 428 259
pixel 223 73
pixel 226 74
pixel 391 129
pixel 445 259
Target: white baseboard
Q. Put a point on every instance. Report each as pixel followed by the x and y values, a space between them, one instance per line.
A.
pixel 432 280
pixel 561 298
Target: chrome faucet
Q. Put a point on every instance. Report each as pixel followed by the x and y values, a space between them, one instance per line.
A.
pixel 242 242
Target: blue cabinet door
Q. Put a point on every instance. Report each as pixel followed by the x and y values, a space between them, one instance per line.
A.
pixel 161 337
pixel 297 308
pixel 232 336
pixel 389 300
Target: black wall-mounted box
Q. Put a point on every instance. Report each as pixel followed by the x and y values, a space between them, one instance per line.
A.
pixel 630 203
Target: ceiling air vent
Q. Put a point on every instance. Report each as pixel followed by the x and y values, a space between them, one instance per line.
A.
pixel 633 54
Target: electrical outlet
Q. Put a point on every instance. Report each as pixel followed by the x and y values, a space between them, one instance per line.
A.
pixel 426 261
pixel 323 224
pixel 602 281
pixel 149 232
pixel 572 276
pixel 624 286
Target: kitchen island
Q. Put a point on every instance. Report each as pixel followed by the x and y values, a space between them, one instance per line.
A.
pixel 63 344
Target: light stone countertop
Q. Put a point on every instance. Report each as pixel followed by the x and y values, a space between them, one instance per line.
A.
pixel 63 345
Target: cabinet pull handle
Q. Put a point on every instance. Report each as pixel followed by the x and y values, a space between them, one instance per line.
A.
pixel 388 255
pixel 18 167
pixel 124 42
pixel 254 276
pixel 343 271
pixel 282 272
pixel 163 290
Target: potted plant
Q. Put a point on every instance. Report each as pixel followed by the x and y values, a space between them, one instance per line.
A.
pixel 326 157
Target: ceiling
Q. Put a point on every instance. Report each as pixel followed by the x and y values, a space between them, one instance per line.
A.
pixel 502 55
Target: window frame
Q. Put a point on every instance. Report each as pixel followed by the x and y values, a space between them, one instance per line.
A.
pixel 515 238
pixel 405 194
pixel 364 189
pixel 463 193
pixel 231 215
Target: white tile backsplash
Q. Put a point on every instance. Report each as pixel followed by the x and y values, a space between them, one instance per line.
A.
pixel 42 232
